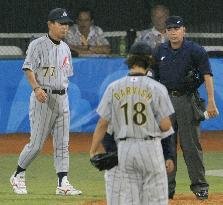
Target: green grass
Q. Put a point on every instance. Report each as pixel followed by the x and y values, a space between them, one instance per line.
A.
pixel 42 180
pixel 212 161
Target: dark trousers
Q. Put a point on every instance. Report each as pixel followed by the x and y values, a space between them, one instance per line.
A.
pixel 188 130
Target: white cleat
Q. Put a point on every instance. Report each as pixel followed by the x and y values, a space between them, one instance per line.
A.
pixel 18 183
pixel 67 189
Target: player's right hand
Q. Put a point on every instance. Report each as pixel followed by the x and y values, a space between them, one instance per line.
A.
pixel 41 96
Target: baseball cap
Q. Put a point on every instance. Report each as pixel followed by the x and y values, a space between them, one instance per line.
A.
pixel 174 22
pixel 59 15
pixel 140 48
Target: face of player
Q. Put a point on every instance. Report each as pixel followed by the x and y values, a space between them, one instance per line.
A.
pixel 176 36
pixel 158 18
pixel 84 22
pixel 57 30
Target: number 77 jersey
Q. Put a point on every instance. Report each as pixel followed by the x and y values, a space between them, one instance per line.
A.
pixel 134 105
pixel 50 61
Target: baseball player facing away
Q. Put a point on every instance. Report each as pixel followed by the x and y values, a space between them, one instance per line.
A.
pixel 138 109
pixel 113 183
pixel 48 65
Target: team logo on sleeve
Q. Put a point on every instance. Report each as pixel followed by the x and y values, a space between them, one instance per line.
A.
pixel 65 62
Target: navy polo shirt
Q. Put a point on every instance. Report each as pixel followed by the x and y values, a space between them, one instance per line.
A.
pixel 173 65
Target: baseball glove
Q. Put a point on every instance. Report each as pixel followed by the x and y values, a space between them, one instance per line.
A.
pixel 104 161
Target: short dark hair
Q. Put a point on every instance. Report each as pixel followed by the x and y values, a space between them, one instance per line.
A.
pixel 160 7
pixel 86 10
pixel 144 61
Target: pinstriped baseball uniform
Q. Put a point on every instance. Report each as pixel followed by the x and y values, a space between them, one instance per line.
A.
pixel 134 105
pixel 52 65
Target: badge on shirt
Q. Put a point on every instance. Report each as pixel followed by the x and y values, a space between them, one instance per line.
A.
pixel 134 79
pixel 162 58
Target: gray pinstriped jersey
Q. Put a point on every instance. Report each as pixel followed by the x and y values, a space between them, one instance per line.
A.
pixel 134 106
pixel 51 63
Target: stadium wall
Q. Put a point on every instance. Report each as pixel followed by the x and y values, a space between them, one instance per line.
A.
pixel 92 75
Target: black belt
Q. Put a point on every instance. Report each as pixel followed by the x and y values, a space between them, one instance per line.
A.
pixel 59 92
pixel 139 138
pixel 176 93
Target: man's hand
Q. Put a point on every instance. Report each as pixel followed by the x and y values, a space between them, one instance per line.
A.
pixel 169 166
pixel 41 96
pixel 212 109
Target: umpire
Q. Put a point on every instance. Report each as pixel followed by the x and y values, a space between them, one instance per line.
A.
pixel 175 59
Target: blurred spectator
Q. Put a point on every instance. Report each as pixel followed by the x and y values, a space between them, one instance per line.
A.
pixel 84 38
pixel 157 34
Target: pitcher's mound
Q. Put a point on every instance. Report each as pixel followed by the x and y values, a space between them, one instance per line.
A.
pixel 182 199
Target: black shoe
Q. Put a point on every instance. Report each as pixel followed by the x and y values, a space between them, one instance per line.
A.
pixel 171 194
pixel 202 195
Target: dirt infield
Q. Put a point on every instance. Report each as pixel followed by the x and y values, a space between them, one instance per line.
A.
pixel 180 199
pixel 80 142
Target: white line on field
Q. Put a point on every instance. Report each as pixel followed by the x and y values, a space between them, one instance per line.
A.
pixel 216 173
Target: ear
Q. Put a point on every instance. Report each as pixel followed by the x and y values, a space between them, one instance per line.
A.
pixel 92 21
pixel 49 23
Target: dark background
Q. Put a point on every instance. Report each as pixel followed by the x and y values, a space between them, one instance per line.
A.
pixel 30 16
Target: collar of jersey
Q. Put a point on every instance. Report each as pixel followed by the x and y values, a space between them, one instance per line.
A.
pixel 54 41
pixel 136 74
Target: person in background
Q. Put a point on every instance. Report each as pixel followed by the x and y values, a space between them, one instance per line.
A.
pixel 84 38
pixel 157 34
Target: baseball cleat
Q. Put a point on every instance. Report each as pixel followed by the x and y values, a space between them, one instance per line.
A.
pixel 67 189
pixel 18 183
pixel 202 195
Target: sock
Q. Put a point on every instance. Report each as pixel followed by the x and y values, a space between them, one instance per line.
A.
pixel 60 176
pixel 18 170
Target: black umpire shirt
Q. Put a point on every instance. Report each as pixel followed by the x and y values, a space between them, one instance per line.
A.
pixel 172 65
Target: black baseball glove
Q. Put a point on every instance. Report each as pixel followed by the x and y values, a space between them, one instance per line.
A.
pixel 104 161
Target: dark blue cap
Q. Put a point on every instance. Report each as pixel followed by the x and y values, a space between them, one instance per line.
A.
pixel 174 22
pixel 59 15
pixel 140 48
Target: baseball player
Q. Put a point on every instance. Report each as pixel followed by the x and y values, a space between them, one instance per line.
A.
pixel 138 109
pixel 48 65
pixel 113 183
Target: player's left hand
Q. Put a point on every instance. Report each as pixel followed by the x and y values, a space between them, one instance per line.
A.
pixel 104 161
pixel 169 166
pixel 212 109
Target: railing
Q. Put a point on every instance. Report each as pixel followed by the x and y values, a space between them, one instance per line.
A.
pixel 210 41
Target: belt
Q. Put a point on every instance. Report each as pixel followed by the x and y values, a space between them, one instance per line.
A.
pixel 139 138
pixel 176 93
pixel 59 92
